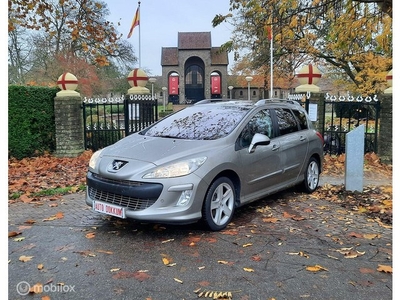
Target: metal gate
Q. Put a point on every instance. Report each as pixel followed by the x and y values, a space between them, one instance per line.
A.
pixel 106 121
pixel 343 114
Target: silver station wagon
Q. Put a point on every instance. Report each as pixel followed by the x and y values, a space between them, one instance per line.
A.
pixel 206 160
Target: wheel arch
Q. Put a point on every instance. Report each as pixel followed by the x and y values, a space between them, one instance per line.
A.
pixel 234 177
pixel 319 160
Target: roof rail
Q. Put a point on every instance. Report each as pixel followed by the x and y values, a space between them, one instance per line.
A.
pixel 211 101
pixel 276 100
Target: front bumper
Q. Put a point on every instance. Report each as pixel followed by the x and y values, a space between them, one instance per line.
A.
pixel 147 201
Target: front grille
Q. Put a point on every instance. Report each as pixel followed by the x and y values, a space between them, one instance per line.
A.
pixel 117 181
pixel 124 201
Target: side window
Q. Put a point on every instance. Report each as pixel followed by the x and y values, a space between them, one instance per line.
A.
pixel 286 121
pixel 301 119
pixel 259 123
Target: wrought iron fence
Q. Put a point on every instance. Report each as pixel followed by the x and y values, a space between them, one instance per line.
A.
pixel 343 114
pixel 107 120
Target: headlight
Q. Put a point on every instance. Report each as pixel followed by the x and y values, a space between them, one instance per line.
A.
pixel 181 168
pixel 94 159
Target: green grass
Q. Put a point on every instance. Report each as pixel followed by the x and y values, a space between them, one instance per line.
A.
pixel 51 192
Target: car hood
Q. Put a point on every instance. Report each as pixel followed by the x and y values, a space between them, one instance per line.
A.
pixel 157 150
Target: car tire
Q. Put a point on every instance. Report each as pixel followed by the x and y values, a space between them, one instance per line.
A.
pixel 311 176
pixel 219 204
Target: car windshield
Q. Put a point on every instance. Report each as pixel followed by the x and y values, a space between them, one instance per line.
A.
pixel 199 122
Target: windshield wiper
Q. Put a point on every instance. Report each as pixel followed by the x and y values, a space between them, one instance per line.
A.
pixel 170 137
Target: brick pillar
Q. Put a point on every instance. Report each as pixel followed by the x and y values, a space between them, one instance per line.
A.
pixel 319 99
pixel 385 136
pixel 69 126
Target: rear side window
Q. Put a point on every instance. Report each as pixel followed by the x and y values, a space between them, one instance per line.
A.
pixel 301 119
pixel 286 121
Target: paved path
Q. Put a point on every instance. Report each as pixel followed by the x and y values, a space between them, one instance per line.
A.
pixel 265 253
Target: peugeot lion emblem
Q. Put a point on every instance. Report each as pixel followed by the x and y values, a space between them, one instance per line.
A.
pixel 116 165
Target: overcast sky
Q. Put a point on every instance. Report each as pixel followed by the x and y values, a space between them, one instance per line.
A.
pixel 160 22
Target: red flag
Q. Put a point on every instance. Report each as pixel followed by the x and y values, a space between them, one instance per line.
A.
pixel 135 22
pixel 269 32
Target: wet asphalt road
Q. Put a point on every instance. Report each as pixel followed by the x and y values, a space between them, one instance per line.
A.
pixel 264 254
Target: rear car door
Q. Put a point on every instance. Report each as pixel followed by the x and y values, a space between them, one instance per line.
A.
pixel 261 170
pixel 293 140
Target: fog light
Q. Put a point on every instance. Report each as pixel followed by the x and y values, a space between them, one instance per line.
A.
pixel 184 198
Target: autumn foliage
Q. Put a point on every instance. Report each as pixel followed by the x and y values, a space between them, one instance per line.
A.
pixel 29 176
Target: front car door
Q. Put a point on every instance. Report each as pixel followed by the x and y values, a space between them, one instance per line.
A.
pixel 261 170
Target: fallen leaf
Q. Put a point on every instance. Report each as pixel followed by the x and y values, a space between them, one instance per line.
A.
pixel 171 265
pixel 167 241
pixel 270 220
pixel 90 235
pixel 355 234
pixel 230 232
pixel 385 269
pixel 344 250
pixel 287 215
pixel 59 215
pixel 316 268
pixel 301 253
pixel 115 269
pixel 13 233
pixel 19 239
pixel 104 251
pixel 354 254
pixel 247 245
pixel 166 261
pixel 211 240
pixel 371 236
pixel 24 258
pixel 40 266
pixel 256 257
pixel 25 198
pixel 224 262
pixel 248 269
pixel 178 280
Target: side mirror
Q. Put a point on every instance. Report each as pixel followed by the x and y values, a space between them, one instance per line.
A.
pixel 258 140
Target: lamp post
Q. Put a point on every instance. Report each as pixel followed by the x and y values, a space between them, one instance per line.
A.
pixel 164 91
pixel 230 91
pixel 248 79
pixel 152 80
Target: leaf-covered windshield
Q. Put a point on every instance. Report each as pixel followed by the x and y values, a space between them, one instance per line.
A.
pixel 202 122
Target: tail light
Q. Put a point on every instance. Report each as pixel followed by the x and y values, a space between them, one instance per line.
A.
pixel 320 137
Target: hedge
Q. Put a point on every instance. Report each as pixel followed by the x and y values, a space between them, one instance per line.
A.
pixel 31 127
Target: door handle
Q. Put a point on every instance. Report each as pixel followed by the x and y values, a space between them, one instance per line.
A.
pixel 275 147
pixel 302 138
